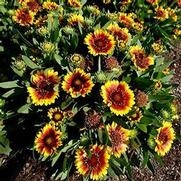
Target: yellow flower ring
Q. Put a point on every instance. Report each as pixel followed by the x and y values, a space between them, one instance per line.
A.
pixel 118 96
pixel 48 140
pixel 100 42
pixel 77 83
pixel 95 165
pixel 44 89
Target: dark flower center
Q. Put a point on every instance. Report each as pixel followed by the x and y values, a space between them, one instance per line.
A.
pixel 117 97
pixel 57 116
pixel 163 137
pixel 116 137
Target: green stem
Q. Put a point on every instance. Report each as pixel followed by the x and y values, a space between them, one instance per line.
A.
pixel 99 64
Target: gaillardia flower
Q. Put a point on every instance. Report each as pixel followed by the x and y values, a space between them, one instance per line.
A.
pixel 75 19
pixel 56 114
pixel 140 59
pixel 136 116
pixel 95 164
pixel 126 19
pixel 24 17
pixel 161 13
pixel 100 42
pixel 118 96
pixel 32 5
pixel 48 140
pixel 164 138
pixel 77 83
pixel 48 5
pixel 74 3
pixel 121 34
pixel 119 137
pixel 152 2
pixel 44 89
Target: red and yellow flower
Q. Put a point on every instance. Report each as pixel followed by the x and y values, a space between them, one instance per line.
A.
pixel 179 3
pixel 44 89
pixel 161 13
pixel 121 34
pixel 95 165
pixel 100 42
pixel 24 17
pixel 140 59
pixel 56 115
pixel 119 138
pixel 75 19
pixel 118 96
pixel 164 138
pixel 77 83
pixel 48 140
pixel 48 5
pixel 74 3
pixel 126 19
pixel 32 5
pixel 136 116
pixel 152 2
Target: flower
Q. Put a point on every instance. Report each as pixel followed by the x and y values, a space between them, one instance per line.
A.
pixel 107 1
pixel 32 5
pixel 126 19
pixel 93 9
pixel 75 19
pixel 136 116
pixel 48 5
pixel 166 71
pixel 153 2
pixel 179 3
pixel 119 137
pixel 121 34
pixel 100 43
pixel 92 119
pixel 118 96
pixel 40 21
pixel 157 47
pixel 76 58
pixel 139 58
pixel 136 52
pixel 56 115
pixel 24 17
pixel 111 63
pixel 77 83
pixel 161 13
pixel 95 164
pixel 74 3
pixel 164 138
pixel 141 99
pixel 44 88
pixel 48 140
pixel 158 85
pixel 48 47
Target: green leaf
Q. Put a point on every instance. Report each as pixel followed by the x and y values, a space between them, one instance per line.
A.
pixel 145 158
pixel 9 93
pixel 9 84
pixel 4 142
pixel 24 109
pixel 142 127
pixel 58 58
pixel 30 63
pixel 55 158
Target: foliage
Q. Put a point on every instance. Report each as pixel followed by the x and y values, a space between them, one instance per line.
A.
pixel 93 74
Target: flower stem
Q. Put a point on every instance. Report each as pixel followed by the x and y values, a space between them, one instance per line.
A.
pixel 99 64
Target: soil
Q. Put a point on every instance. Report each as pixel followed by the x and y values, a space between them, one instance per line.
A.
pixel 30 169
